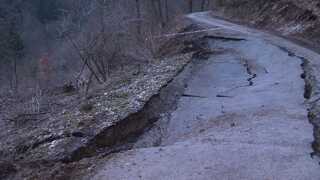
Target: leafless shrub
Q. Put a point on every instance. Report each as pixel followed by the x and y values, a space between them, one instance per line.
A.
pixel 37 100
pixel 97 39
pixel 101 48
pixel 83 84
pixel 32 106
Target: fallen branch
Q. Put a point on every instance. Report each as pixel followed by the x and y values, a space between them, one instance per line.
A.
pixel 224 38
pixel 185 33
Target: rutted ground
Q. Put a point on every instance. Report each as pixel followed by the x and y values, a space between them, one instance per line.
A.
pixel 243 116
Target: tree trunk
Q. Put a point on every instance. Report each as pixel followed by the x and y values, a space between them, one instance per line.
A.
pixel 203 3
pixel 15 76
pixel 138 11
pixel 167 10
pixel 160 13
pixel 190 6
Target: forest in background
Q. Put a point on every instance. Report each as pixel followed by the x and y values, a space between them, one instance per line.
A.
pixel 53 43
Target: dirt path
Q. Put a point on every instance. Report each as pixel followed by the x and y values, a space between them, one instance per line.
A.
pixel 243 117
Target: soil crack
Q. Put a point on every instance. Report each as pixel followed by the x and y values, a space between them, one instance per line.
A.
pixel 310 90
pixel 193 96
pixel 250 73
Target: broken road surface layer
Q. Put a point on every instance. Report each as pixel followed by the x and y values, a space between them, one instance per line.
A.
pixel 245 117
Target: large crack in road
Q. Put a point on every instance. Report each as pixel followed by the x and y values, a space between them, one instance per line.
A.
pixel 249 71
pixel 225 128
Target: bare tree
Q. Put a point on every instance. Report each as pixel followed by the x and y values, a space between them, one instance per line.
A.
pixel 190 3
pixel 10 41
pixel 166 9
pixel 157 5
pixel 203 4
pixel 138 12
pixel 97 48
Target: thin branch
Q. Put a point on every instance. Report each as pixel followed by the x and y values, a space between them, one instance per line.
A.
pixel 84 60
pixel 185 33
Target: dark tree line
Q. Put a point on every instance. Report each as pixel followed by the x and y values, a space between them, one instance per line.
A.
pixel 11 44
pixel 79 23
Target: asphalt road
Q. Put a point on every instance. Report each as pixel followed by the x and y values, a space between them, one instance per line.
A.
pixel 245 118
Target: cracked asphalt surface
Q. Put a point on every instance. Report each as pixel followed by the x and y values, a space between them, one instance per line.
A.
pixel 250 122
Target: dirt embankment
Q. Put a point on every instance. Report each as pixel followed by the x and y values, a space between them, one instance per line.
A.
pixel 298 20
pixel 67 142
pixel 292 18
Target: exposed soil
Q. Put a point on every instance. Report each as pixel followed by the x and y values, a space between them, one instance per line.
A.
pixel 63 144
pixel 156 111
pixel 243 115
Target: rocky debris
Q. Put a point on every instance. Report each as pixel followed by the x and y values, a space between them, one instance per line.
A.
pixel 81 129
pixel 104 119
pixel 7 170
pixel 261 132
